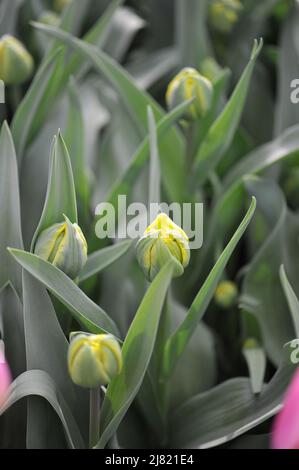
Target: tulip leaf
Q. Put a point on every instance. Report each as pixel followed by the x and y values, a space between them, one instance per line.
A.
pixel 47 352
pixel 221 133
pixel 262 294
pixel 137 350
pixel 61 196
pixel 155 171
pixel 265 156
pixel 125 183
pixel 228 410
pixel 28 114
pixel 84 310
pixel 10 227
pixel 292 299
pixel 172 146
pixel 74 139
pixel 100 259
pixel 40 383
pixel 176 344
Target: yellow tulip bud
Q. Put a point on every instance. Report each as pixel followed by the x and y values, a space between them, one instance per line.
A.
pixel 188 84
pixel 94 360
pixel 226 294
pixel 224 14
pixel 59 5
pixel 64 246
pixel 160 240
pixel 16 64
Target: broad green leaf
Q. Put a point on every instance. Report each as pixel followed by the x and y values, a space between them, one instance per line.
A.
pixel 39 383
pixel 262 294
pixel 178 341
pixel 172 147
pixel 84 310
pixel 75 142
pixel 265 156
pixel 61 196
pixel 137 350
pixel 124 185
pixel 223 130
pixel 228 410
pixel 28 112
pixel 10 227
pixel 103 258
pixel 192 28
pixel 95 36
pixel 292 299
pixel 256 363
pixel 46 349
pixel 155 172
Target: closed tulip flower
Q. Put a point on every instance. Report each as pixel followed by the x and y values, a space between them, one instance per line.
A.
pixel 64 246
pixel 16 64
pixel 188 84
pixel 224 14
pixel 161 239
pixel 94 360
pixel 286 426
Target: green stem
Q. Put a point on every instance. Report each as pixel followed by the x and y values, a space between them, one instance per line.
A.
pixel 94 416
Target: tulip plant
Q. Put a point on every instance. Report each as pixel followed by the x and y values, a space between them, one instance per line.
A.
pixel 149 342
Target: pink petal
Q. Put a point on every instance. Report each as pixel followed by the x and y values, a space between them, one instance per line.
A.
pixel 5 379
pixel 286 425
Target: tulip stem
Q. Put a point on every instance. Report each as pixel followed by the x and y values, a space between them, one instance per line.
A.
pixel 94 416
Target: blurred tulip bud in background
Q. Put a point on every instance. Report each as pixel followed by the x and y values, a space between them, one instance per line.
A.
pixel 226 294
pixel 64 246
pixel 59 5
pixel 187 84
pixel 94 360
pixel 5 377
pixel 16 64
pixel 286 425
pixel 160 240
pixel 223 14
pixel 49 18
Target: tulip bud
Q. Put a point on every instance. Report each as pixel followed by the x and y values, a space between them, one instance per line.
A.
pixel 93 360
pixel 187 84
pixel 59 5
pixel 224 14
pixel 160 240
pixel 16 64
pixel 226 294
pixel 64 246
pixel 5 378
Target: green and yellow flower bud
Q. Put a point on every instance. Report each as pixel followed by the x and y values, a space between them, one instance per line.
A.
pixel 59 5
pixel 16 64
pixel 160 240
pixel 64 246
pixel 226 294
pixel 224 14
pixel 186 85
pixel 94 360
